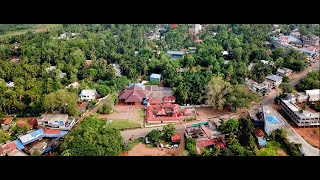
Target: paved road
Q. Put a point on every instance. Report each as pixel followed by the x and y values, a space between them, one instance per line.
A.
pixel 296 77
pixel 293 136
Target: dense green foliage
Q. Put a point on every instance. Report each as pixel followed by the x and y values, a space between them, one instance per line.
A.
pixel 310 81
pixel 94 137
pixel 62 101
pixel 4 137
pixel 191 146
pixel 13 27
pixel 17 131
pixel 286 88
pixel 107 44
pixel 293 149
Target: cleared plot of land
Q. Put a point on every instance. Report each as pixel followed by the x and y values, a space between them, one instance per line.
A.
pixel 132 113
pixel 311 135
pixel 142 150
pixel 209 112
pixel 122 124
pixel 36 28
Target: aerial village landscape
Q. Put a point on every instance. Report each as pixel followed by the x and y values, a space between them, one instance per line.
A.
pixel 160 90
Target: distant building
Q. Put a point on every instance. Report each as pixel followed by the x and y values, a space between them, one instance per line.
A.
pixel 117 69
pixel 176 54
pixel 225 53
pixel 87 64
pixel 74 85
pixel 295 34
pixel 284 72
pixel 275 79
pixel 56 121
pixel 10 84
pixel 197 28
pixel 271 121
pixel 51 68
pixel 314 95
pixel 155 77
pixel 192 49
pixel 6 120
pixel 311 39
pixel 88 94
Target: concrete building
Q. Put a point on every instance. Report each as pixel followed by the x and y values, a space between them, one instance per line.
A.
pixel 275 79
pixel 56 121
pixel 176 54
pixel 311 39
pixel 155 77
pixel 284 72
pixel 271 121
pixel 88 94
pixel 197 28
pixel 314 94
pixel 302 118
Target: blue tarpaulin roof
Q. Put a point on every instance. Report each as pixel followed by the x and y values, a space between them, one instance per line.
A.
pixel 36 133
pixel 308 51
pixel 262 142
pixel 19 144
pixel 138 84
pixel 273 119
pixel 155 76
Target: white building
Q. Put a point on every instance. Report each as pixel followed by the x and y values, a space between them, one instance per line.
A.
pixel 88 94
pixel 284 72
pixel 197 28
pixel 314 94
pixel 10 84
pixel 275 79
pixel 271 121
pixel 74 85
pixel 51 68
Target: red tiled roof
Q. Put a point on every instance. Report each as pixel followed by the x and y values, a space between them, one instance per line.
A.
pixel 205 143
pixel 134 94
pixel 175 138
pixel 258 132
pixel 134 98
pixel 52 131
pixel 8 147
pixel 7 120
pixel 32 122
pixel 187 111
pixel 206 130
pixel 155 101
pixel 169 98
pixel 161 111
pixel 210 142
pixel 151 117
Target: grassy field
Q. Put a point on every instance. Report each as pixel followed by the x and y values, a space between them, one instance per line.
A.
pixel 36 28
pixel 125 124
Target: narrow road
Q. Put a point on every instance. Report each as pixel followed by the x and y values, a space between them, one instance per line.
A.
pixel 296 77
pixel 94 109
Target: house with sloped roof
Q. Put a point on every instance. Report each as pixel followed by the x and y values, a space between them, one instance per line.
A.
pixel 88 94
pixel 275 79
pixel 155 77
pixel 134 94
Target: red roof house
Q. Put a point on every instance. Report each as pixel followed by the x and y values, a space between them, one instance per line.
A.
pixel 175 138
pixel 30 123
pixel 7 147
pixel 161 111
pixel 7 120
pixel 169 99
pixel 134 94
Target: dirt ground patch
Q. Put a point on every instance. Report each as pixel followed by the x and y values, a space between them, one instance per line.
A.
pixel 311 135
pixel 142 150
pixel 125 112
pixel 281 152
pixel 209 112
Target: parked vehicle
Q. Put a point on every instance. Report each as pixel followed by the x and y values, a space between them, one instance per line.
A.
pixel 147 140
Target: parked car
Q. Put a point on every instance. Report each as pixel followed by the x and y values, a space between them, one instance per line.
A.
pixel 147 140
pixel 175 146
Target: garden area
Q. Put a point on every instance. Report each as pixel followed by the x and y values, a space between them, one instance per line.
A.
pixel 123 124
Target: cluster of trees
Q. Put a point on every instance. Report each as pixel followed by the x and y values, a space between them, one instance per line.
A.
pixel 156 135
pixel 220 93
pixel 310 81
pixel 293 149
pixel 94 137
pixel 13 27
